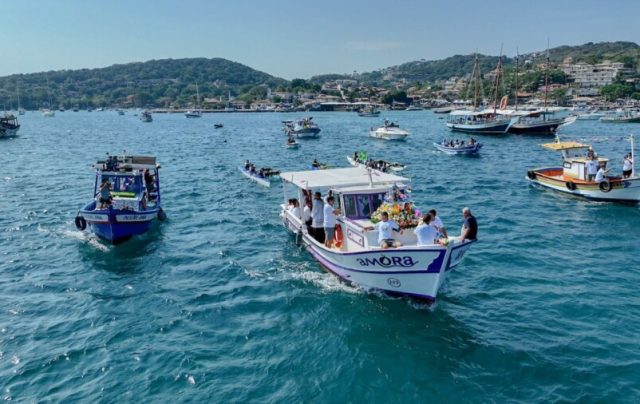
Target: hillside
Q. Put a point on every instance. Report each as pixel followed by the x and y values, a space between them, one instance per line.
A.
pixel 153 83
pixel 626 52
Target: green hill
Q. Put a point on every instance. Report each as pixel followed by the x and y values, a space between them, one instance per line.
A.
pixel 157 83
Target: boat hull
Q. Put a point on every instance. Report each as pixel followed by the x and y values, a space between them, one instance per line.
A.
pixel 416 272
pixel 622 189
pixel 548 127
pixel 488 128
pixel 389 134
pixel 467 151
pixel 306 133
pixel 261 181
pixel 116 225
pixel 8 132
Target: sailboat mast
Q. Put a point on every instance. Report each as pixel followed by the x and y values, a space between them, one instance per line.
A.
pixel 476 77
pixel 197 98
pixel 516 95
pixel 546 82
pixel 495 101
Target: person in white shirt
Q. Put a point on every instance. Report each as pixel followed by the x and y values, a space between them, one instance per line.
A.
pixel 295 208
pixel 437 223
pixel 385 230
pixel 306 214
pixel 592 168
pixel 602 174
pixel 329 214
pixel 627 166
pixel 317 218
pixel 425 232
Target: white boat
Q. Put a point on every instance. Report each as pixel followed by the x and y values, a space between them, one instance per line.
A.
pixel 414 108
pixel 369 111
pixel 622 117
pixel 255 176
pixel 302 128
pixel 48 113
pixel 411 269
pixel 590 116
pixel 195 113
pixel 145 116
pixel 9 126
pixel 571 177
pixel 458 149
pixel 389 131
pixel 360 160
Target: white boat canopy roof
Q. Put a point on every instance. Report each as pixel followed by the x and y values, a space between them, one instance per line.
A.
pixel 340 178
pixel 559 146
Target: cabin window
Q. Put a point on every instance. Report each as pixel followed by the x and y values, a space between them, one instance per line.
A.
pixel 376 201
pixel 350 209
pixel 567 165
pixel 364 206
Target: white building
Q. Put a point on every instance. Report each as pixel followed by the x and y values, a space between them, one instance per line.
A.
pixel 590 78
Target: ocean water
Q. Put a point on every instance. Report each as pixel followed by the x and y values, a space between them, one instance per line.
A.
pixel 217 304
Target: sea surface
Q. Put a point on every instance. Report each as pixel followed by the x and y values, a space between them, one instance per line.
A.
pixel 217 304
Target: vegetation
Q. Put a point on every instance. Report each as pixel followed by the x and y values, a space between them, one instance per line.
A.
pixel 619 90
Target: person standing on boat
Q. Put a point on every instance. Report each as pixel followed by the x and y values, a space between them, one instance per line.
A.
pixel 306 215
pixel 329 214
pixel 470 226
pixel 105 194
pixel 425 232
pixel 436 222
pixel 592 168
pixel 627 166
pixel 148 180
pixel 317 218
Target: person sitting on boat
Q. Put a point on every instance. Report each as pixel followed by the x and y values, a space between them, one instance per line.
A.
pixel 437 224
pixel 470 226
pixel 627 166
pixel 601 175
pixel 247 164
pixel 105 194
pixel 315 163
pixel 472 142
pixel 425 232
pixel 317 216
pixel 329 214
pixel 291 140
pixel 385 230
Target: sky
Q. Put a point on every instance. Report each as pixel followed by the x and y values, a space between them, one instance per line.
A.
pixel 296 38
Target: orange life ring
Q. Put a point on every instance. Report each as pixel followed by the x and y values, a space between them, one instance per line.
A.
pixel 503 102
pixel 338 237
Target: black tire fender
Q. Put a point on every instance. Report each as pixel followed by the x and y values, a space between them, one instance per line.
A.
pixel 530 173
pixel 605 186
pixel 81 223
pixel 161 215
pixel 571 186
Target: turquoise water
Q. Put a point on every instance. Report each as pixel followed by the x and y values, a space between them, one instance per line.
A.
pixel 218 304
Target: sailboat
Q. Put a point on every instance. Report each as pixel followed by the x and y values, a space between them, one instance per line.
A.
pixel 229 107
pixel 483 121
pixel 195 113
pixel 20 109
pixel 48 112
pixel 538 122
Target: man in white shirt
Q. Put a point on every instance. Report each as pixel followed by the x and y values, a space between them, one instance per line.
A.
pixel 592 168
pixel 425 232
pixel 385 230
pixel 601 174
pixel 329 214
pixel 437 223
pixel 317 218
pixel 627 166
pixel 295 208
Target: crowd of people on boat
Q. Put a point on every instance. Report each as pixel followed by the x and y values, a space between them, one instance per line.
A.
pixel 380 165
pixel 390 124
pixel 597 170
pixel 458 143
pixel 260 173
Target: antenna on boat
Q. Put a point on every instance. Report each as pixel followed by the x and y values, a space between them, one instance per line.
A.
pixel 370 177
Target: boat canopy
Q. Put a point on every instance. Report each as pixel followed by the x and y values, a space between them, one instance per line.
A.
pixel 340 178
pixel 130 162
pixel 559 146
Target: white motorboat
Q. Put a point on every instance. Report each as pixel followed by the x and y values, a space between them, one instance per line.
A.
pixel 302 128
pixel 355 255
pixel 48 113
pixel 262 176
pixel 389 131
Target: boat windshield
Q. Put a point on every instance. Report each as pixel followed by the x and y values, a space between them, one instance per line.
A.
pixel 361 206
pixel 123 185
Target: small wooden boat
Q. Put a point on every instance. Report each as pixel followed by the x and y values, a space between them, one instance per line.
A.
pixel 218 125
pixel 467 149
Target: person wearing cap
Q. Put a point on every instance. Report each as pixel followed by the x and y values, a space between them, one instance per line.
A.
pixel 601 175
pixel 592 168
pixel 627 166
pixel 105 194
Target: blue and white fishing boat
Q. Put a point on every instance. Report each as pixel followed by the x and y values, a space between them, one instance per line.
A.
pixel 355 254
pixel 126 198
pixel 303 128
pixel 460 148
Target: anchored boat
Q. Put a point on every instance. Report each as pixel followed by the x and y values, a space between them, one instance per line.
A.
pixel 261 176
pixel 361 159
pixel 126 198
pixel 411 269
pixel 303 128
pixel 9 126
pixel 572 177
pixel 470 148
pixel 145 116
pixel 389 131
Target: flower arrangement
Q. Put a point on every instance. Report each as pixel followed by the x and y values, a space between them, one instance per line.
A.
pixel 402 213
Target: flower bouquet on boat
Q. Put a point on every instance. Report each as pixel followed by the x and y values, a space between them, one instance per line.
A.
pixel 584 173
pixel 366 198
pixel 361 159
pixel 126 198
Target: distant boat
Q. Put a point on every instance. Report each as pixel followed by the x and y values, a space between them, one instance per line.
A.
pixel 369 111
pixel 218 125
pixel 145 116
pixel 20 109
pixel 48 112
pixel 260 176
pixel 443 110
pixel 460 149
pixel 622 117
pixel 414 108
pixel 302 128
pixel 389 131
pixel 195 113
pixel 590 115
pixel 9 126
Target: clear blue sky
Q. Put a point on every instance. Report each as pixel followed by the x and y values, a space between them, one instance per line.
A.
pixel 296 38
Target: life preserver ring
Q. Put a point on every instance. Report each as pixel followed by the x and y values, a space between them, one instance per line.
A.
pixel 571 186
pixel 338 237
pixel 161 215
pixel 531 175
pixel 503 102
pixel 81 223
pixel 605 185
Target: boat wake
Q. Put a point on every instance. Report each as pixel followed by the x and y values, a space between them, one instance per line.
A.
pixel 85 238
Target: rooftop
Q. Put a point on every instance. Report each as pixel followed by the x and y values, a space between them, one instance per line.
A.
pixel 340 178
